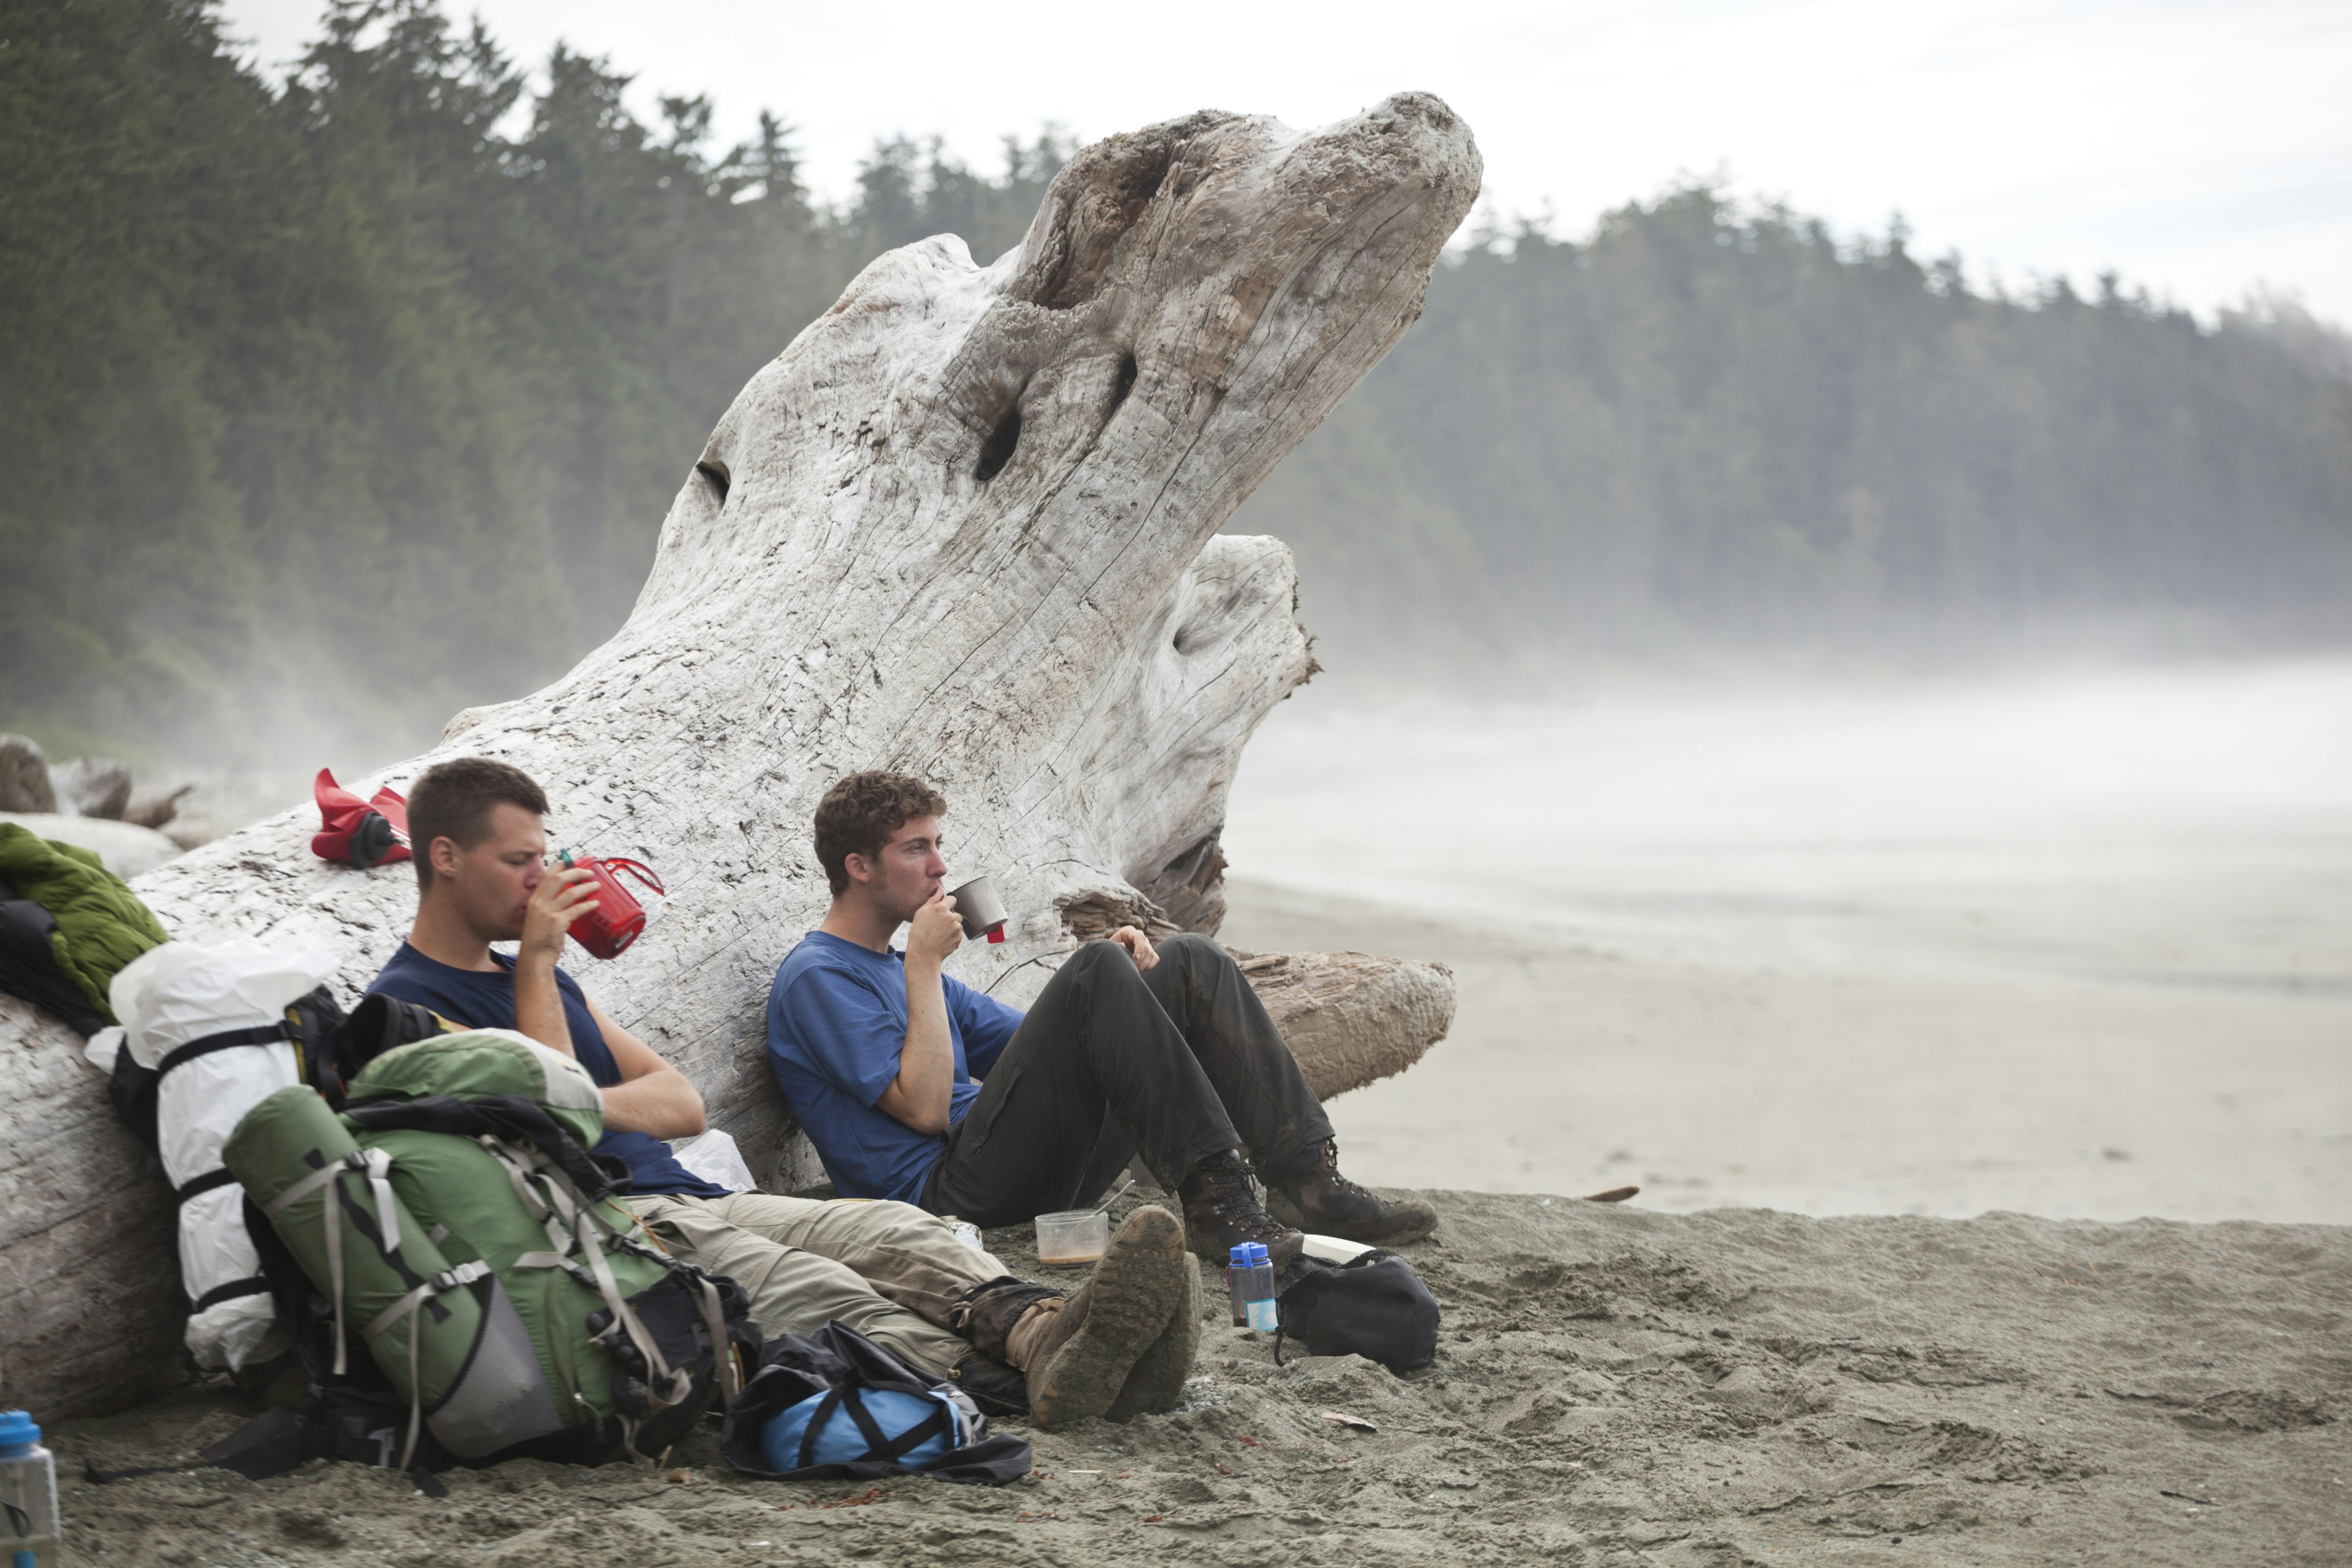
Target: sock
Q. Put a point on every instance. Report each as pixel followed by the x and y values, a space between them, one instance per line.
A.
pixel 1020 1345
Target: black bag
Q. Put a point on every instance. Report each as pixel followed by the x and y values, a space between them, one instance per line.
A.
pixel 794 1367
pixel 333 1055
pixel 29 964
pixel 1373 1306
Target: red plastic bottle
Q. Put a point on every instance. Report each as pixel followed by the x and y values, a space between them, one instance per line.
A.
pixel 607 930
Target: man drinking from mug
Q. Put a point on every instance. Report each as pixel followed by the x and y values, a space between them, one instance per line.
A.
pixel 914 1086
pixel 898 1276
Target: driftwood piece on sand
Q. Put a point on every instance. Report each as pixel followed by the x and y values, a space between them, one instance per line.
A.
pixel 1352 1019
pixel 965 525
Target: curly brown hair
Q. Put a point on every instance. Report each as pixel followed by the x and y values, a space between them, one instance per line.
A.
pixel 859 813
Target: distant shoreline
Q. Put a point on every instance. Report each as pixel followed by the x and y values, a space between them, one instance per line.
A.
pixel 1568 1071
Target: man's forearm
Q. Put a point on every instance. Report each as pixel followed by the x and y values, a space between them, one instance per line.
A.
pixel 926 1079
pixel 539 1006
pixel 661 1103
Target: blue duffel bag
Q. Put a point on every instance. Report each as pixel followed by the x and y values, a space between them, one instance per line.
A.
pixel 844 1425
pixel 835 1404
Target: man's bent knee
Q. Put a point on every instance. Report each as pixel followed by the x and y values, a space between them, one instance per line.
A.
pixel 1093 955
pixel 1191 947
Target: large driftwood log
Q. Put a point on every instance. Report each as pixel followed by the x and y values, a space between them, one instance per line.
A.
pixel 965 525
pixel 1349 1018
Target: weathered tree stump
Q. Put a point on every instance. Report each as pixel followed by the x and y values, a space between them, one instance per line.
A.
pixel 1352 1019
pixel 965 525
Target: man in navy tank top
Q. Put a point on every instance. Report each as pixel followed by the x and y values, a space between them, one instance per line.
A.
pixel 893 1272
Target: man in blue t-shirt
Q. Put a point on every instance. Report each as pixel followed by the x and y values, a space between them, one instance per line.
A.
pixel 897 1275
pixel 913 1086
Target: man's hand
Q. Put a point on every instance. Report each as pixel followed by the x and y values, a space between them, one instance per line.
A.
pixel 557 900
pixel 1139 947
pixel 561 897
pixel 936 932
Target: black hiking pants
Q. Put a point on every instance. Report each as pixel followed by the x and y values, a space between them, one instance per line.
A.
pixel 1181 1063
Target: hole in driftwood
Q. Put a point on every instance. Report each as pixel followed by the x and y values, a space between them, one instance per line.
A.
pixel 1126 385
pixel 712 469
pixel 1002 441
pixel 1104 194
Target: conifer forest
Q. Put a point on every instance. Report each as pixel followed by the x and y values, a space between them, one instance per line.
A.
pixel 332 405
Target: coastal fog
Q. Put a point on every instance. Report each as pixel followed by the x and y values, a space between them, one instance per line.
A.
pixel 2074 946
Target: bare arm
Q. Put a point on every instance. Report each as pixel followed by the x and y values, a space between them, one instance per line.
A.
pixel 557 900
pixel 651 1096
pixel 923 1093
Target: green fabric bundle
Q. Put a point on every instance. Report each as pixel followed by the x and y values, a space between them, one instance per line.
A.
pixel 102 924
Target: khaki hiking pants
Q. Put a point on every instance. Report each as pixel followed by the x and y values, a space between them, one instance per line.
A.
pixel 888 1270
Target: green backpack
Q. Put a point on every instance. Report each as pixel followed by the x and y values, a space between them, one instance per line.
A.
pixel 454 1221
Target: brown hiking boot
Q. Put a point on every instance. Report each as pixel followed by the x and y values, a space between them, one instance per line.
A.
pixel 1220 1212
pixel 1081 1365
pixel 1156 1386
pixel 1314 1195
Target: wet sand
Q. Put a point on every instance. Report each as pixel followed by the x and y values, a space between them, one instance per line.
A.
pixel 1568 1071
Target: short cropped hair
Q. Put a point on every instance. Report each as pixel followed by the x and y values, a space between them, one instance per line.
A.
pixel 859 813
pixel 454 801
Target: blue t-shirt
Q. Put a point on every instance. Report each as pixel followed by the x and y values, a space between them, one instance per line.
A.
pixel 481 1000
pixel 837 1023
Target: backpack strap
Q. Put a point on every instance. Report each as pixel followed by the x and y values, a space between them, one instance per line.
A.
pixel 880 1445
pixel 815 1427
pixel 572 1222
pixel 194 1185
pixel 441 1284
pixel 376 1165
pixel 227 1039
pixel 722 1348
pixel 229 1291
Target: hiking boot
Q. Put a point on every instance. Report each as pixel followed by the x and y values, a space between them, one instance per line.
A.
pixel 988 1313
pixel 1077 1369
pixel 1314 1195
pixel 1220 1212
pixel 1156 1386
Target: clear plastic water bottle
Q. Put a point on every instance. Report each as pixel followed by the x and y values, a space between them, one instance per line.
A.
pixel 1249 1281
pixel 28 1494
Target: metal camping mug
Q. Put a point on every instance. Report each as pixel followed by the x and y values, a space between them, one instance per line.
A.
pixel 982 912
pixel 607 930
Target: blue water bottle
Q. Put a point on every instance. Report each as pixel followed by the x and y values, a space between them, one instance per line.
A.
pixel 1249 1280
pixel 28 1494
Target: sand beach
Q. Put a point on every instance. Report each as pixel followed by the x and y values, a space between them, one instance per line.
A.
pixel 1615 1386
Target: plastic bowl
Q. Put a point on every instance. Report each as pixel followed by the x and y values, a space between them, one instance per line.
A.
pixel 1075 1235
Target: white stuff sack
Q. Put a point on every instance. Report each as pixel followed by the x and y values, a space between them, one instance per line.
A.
pixel 168 998
pixel 714 1157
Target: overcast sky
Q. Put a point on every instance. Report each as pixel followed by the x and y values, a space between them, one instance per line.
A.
pixel 2189 144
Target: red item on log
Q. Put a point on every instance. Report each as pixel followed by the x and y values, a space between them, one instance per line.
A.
pixel 361 833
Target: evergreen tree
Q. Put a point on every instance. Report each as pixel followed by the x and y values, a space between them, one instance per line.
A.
pixel 331 407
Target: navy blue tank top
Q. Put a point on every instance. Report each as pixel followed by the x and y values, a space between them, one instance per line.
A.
pixel 481 1000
